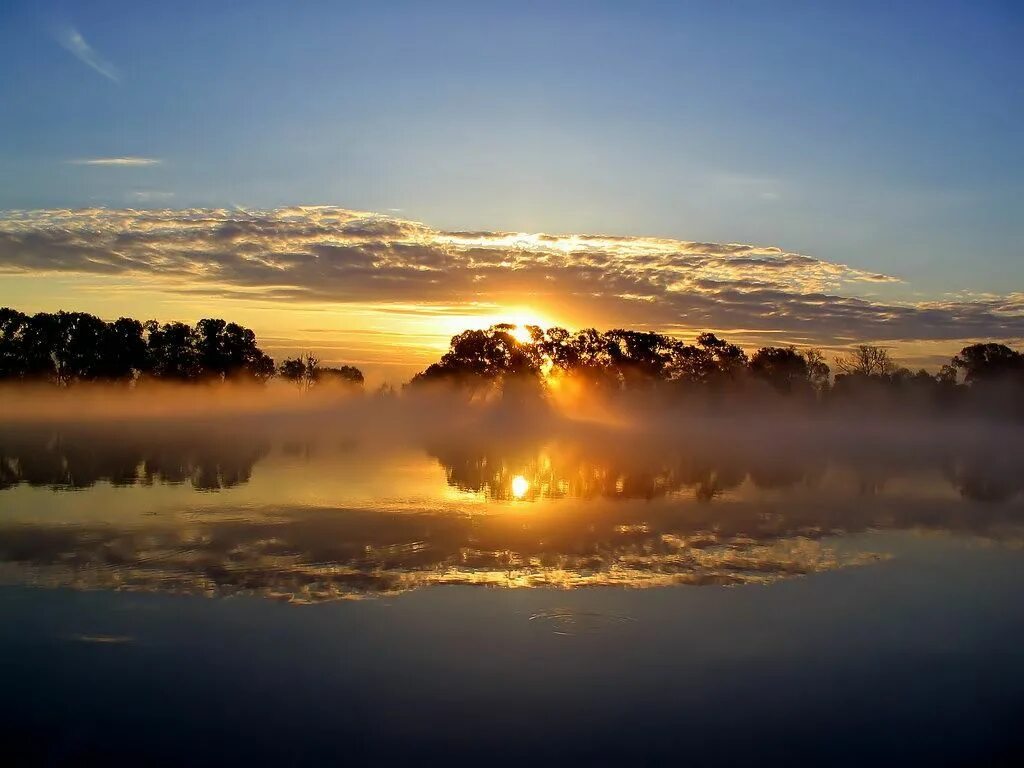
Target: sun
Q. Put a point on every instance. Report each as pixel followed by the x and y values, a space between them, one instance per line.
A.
pixel 521 334
pixel 521 319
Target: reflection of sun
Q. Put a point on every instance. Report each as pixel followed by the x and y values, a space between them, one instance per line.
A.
pixel 520 485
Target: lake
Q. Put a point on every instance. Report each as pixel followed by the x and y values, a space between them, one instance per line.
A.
pixel 302 591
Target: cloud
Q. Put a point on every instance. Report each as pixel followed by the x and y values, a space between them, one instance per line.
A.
pixel 71 39
pixel 333 255
pixel 128 162
pixel 150 195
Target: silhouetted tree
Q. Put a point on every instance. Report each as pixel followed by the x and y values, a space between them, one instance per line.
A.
pixel 783 368
pixel 123 351
pixel 301 370
pixel 347 375
pixel 691 365
pixel 587 355
pixel 639 358
pixel 229 351
pixel 67 347
pixel 306 372
pixel 866 360
pixel 173 351
pixel 987 363
pixel 818 372
pixel 13 329
pixel 730 361
pixel 489 355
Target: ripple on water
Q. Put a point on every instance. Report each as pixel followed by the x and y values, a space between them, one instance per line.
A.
pixel 566 621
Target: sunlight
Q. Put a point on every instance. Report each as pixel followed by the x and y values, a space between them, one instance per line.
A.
pixel 523 317
pixel 521 334
pixel 520 486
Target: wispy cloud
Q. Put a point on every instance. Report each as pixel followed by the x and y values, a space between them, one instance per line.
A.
pixel 332 255
pixel 71 39
pixel 150 195
pixel 117 161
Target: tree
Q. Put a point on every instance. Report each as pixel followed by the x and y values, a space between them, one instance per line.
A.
pixel 691 365
pixel 345 375
pixel 40 348
pixel 866 360
pixel 302 370
pixel 173 351
pixel 947 375
pixel 639 357
pixel 306 372
pixel 818 371
pixel 985 363
pixel 484 356
pixel 783 368
pixel 730 361
pixel 13 328
pixel 67 347
pixel 229 351
pixel 123 350
pixel 586 355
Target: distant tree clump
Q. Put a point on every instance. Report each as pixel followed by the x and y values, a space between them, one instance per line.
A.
pixel 621 360
pixel 306 372
pixel 615 360
pixel 68 347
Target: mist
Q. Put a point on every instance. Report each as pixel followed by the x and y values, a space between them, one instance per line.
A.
pixel 639 432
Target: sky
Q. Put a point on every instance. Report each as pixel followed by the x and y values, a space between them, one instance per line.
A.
pixel 809 172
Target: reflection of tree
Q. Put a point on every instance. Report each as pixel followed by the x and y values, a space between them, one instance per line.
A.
pixel 993 478
pixel 556 470
pixel 559 472
pixel 81 457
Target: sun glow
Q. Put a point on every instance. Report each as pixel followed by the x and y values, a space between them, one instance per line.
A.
pixel 520 486
pixel 521 334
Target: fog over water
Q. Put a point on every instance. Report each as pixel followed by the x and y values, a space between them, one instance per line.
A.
pixel 318 496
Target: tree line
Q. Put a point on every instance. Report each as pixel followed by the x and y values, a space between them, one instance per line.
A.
pixel 67 347
pixel 623 360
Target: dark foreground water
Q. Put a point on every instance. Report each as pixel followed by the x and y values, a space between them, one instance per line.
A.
pixel 207 599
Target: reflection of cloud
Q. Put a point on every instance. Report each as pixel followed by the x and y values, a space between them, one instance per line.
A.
pixel 129 162
pixel 231 559
pixel 73 41
pixel 336 255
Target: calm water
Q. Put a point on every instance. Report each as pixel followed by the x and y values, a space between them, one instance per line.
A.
pixel 206 593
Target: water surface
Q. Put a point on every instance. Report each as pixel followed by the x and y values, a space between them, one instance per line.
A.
pixel 206 592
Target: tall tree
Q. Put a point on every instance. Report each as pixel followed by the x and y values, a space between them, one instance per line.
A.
pixel 783 368
pixel 987 363
pixel 866 360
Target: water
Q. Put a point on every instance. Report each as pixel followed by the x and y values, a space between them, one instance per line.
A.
pixel 206 593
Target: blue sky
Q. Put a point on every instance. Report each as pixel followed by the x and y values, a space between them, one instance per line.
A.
pixel 886 136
